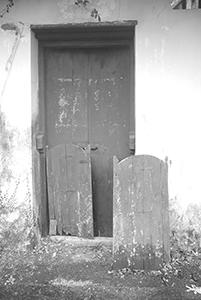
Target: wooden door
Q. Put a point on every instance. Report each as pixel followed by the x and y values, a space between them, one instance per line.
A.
pixel 69 190
pixel 88 102
pixel 141 215
pixel 66 86
pixel 109 125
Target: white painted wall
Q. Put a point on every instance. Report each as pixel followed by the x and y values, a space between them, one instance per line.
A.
pixel 168 72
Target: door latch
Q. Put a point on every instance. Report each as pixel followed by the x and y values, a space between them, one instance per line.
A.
pixel 94 147
pixel 40 142
pixel 132 142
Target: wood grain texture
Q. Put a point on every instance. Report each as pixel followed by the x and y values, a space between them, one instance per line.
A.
pixel 109 126
pixel 88 101
pixel 140 213
pixel 66 97
pixel 69 189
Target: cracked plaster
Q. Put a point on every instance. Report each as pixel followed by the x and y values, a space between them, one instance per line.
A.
pixel 71 12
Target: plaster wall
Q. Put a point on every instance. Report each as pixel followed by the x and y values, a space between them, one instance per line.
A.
pixel 168 90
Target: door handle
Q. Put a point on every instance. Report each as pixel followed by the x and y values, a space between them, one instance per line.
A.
pixel 94 148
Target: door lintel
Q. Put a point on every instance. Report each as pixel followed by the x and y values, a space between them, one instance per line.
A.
pixel 123 30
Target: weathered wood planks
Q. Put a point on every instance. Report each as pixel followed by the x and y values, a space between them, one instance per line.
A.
pixel 69 190
pixel 140 213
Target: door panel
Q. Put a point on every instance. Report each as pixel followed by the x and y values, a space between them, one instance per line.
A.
pixel 109 123
pixel 66 98
pixel 69 190
pixel 141 215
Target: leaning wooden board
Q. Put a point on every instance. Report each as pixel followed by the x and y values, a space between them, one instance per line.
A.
pixel 69 190
pixel 140 213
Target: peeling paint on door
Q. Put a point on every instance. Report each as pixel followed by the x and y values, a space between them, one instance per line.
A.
pixel 69 190
pixel 88 102
pixel 141 215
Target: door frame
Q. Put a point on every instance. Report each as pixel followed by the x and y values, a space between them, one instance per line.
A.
pixel 85 35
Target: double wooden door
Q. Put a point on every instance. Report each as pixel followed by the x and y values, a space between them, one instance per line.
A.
pixel 87 102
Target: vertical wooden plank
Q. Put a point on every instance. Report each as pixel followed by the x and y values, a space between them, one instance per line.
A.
pixel 152 213
pixel 137 209
pixel 71 186
pixel 118 230
pixel 66 96
pixel 43 211
pixel 109 126
pixel 157 215
pixel 141 238
pixel 50 186
pixel 66 103
pixel 132 93
pixel 119 247
pixel 85 221
pixel 128 241
pixel 57 154
pixel 136 236
pixel 165 211
pixel 69 212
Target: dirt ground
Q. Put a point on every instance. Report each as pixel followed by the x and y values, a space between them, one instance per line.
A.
pixel 78 269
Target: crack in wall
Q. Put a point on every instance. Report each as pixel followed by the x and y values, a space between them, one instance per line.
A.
pixel 158 15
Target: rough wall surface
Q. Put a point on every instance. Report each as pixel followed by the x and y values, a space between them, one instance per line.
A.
pixel 168 72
